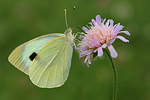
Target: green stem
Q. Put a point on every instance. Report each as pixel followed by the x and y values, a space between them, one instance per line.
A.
pixel 115 76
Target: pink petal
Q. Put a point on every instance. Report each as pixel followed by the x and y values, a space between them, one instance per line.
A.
pixel 112 51
pixel 89 61
pixel 86 59
pixel 118 28
pixel 93 21
pixel 81 48
pixel 107 23
pixel 87 52
pixel 93 44
pixel 85 29
pixel 80 55
pixel 100 51
pixel 104 45
pixel 122 38
pixel 126 32
pixel 98 19
pixel 111 23
pixel 90 23
pixel 87 64
pixel 96 42
pixel 112 40
pixel 104 21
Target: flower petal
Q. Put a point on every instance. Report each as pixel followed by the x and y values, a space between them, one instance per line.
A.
pixel 107 23
pixel 89 61
pixel 122 38
pixel 112 40
pixel 86 59
pixel 96 42
pixel 93 21
pixel 126 32
pixel 98 19
pixel 87 52
pixel 104 21
pixel 112 51
pixel 93 44
pixel 104 45
pixel 87 64
pixel 100 51
pixel 118 28
pixel 80 55
pixel 85 29
pixel 111 23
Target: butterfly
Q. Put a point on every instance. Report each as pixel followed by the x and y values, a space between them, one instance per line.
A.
pixel 46 59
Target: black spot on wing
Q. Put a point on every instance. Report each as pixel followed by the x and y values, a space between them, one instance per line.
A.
pixel 32 56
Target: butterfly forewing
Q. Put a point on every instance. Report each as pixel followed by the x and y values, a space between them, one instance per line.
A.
pixel 20 56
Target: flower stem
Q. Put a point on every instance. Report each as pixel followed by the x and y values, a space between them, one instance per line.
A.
pixel 115 76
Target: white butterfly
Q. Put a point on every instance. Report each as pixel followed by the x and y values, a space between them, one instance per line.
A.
pixel 46 59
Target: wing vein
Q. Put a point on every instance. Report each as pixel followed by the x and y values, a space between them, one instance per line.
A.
pixel 39 67
pixel 49 64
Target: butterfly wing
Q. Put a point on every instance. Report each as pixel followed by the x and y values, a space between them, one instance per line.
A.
pixel 50 68
pixel 20 55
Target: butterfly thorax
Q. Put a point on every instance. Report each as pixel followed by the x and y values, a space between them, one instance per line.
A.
pixel 69 36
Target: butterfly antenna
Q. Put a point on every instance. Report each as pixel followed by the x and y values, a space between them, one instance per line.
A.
pixel 74 7
pixel 66 18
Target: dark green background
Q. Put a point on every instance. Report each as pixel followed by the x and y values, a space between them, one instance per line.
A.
pixel 22 20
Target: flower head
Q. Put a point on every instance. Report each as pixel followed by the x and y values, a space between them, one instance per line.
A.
pixel 100 34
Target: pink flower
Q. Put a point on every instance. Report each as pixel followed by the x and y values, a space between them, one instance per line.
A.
pixel 99 35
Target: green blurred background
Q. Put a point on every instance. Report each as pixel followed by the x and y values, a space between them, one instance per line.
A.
pixel 22 20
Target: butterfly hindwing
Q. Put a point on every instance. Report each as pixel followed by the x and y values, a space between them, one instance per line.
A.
pixel 50 68
pixel 20 56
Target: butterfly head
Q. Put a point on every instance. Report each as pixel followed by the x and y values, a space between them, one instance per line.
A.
pixel 69 30
pixel 69 36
